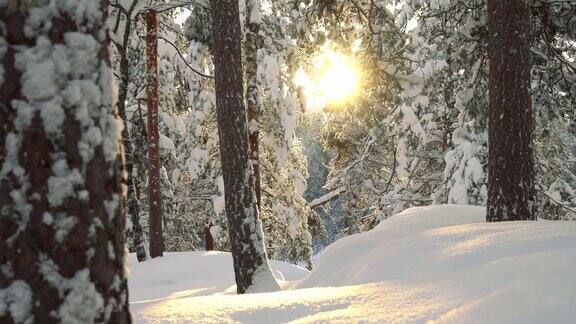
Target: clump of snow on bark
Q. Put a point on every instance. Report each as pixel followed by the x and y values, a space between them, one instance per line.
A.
pixel 63 225
pixel 62 184
pixel 16 299
pixel 112 205
pixel 82 304
pixel 85 13
pixel 53 116
pixel 11 166
pixel 47 218
pixel 110 124
pixel 39 76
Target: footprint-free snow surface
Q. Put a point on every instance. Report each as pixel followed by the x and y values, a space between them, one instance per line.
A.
pixel 440 264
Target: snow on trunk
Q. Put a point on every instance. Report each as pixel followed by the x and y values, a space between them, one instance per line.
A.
pixel 252 44
pixel 251 267
pixel 132 201
pixel 511 191
pixel 62 251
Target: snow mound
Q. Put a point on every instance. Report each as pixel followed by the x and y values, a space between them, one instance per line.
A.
pixel 197 273
pixel 440 264
pixel 394 249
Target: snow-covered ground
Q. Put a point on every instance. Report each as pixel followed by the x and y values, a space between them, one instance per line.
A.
pixel 440 263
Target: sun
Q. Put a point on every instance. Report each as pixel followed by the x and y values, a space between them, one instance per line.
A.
pixel 332 80
pixel 338 78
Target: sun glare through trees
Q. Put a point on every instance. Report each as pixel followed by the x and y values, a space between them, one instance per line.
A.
pixel 332 80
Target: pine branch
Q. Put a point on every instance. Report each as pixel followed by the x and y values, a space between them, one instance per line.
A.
pixel 184 60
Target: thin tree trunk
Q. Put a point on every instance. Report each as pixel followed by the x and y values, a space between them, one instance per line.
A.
pixel 62 220
pixel 138 174
pixel 132 201
pixel 511 188
pixel 450 104
pixel 209 238
pixel 251 267
pixel 154 193
pixel 252 45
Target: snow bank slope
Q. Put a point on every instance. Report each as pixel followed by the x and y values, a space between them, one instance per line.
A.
pixel 396 248
pixel 440 263
pixel 522 271
pixel 197 273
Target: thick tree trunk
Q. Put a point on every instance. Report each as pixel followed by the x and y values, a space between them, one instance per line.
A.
pixel 511 188
pixel 132 201
pixel 154 192
pixel 251 267
pixel 252 45
pixel 61 222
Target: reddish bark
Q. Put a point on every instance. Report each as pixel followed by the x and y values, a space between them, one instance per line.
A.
pixel 154 192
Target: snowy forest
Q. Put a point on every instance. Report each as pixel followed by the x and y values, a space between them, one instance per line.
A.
pixel 274 161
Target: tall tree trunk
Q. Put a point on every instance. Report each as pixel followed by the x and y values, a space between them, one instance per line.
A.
pixel 252 45
pixel 154 192
pixel 131 200
pixel 511 189
pixel 61 222
pixel 251 267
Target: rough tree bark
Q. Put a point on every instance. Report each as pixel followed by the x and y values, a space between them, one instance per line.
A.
pixel 62 243
pixel 511 188
pixel 251 267
pixel 252 44
pixel 154 193
pixel 209 238
pixel 132 200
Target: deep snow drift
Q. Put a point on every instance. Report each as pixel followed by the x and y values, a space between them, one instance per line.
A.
pixel 440 263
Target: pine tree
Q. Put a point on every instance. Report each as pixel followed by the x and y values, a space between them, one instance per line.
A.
pixel 155 217
pixel 62 242
pixel 511 186
pixel 460 37
pixel 251 267
pixel 124 16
